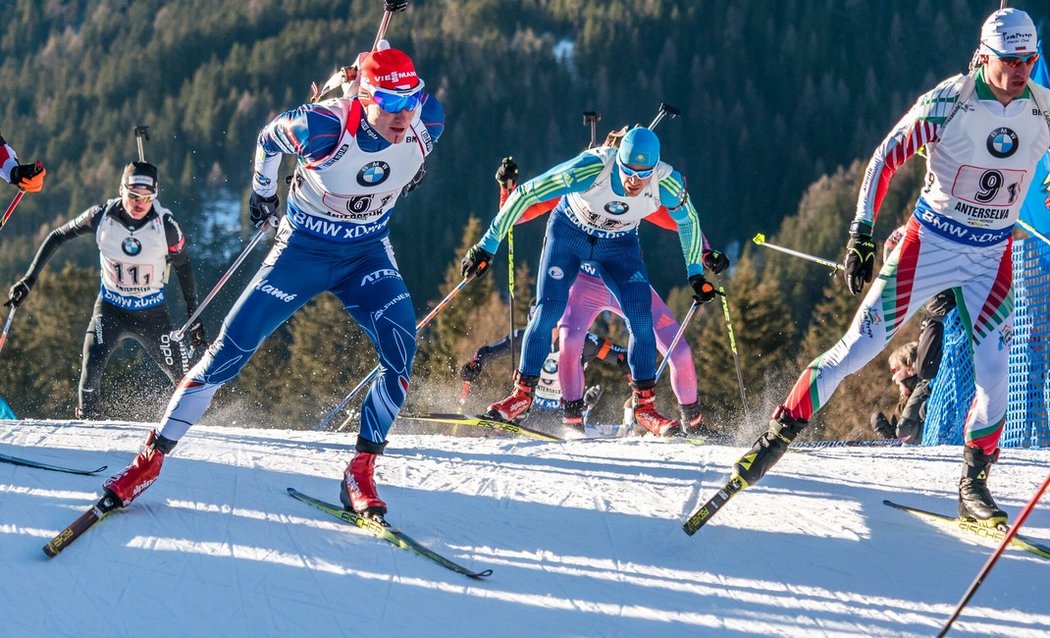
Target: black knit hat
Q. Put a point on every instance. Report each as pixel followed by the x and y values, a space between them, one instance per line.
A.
pixel 140 175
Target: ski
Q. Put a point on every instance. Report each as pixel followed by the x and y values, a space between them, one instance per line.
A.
pixel 482 422
pixel 96 513
pixel 707 511
pixel 389 534
pixel 815 445
pixel 975 529
pixel 14 460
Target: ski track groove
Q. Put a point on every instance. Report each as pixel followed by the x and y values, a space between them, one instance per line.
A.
pixel 601 504
pixel 290 532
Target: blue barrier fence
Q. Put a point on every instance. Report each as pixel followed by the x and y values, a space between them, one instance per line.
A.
pixel 1027 421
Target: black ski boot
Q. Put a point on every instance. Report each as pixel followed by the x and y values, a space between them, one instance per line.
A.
pixel 572 416
pixel 769 447
pixel 88 410
pixel 692 421
pixel 975 501
pixel 693 425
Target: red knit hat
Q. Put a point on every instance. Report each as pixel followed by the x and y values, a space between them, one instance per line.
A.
pixel 389 69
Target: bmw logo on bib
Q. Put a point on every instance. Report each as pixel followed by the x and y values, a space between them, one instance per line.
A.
pixel 373 174
pixel 1002 143
pixel 131 246
pixel 617 208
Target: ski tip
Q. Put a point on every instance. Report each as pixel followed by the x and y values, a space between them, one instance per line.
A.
pixel 689 531
pixel 51 551
pixel 480 575
pixel 101 469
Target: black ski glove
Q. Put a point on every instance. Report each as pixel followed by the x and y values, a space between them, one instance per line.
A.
pixel 263 210
pixel 20 291
pixel 476 262
pixel 393 6
pixel 703 290
pixel 882 427
pixel 507 173
pixel 470 371
pixel 715 261
pixel 198 337
pixel 29 177
pixel 860 257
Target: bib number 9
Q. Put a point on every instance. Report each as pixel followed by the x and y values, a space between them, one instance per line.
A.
pixel 988 186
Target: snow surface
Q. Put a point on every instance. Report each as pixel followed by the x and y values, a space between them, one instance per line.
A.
pixel 583 538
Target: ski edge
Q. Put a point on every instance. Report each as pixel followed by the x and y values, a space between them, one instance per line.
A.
pixel 1017 542
pixel 391 535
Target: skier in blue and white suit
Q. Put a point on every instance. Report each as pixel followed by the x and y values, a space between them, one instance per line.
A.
pixel 605 193
pixel 356 155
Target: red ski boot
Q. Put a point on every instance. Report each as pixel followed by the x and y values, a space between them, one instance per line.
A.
pixel 358 492
pixel 516 405
pixel 143 470
pixel 646 418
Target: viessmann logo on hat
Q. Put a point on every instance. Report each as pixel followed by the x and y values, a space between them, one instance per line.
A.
pixel 395 77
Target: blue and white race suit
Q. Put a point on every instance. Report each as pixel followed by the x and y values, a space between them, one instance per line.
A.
pixel 596 223
pixel 334 238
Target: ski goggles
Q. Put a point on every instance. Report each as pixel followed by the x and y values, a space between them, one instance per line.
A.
pixel 644 173
pixel 1014 60
pixel 135 197
pixel 394 101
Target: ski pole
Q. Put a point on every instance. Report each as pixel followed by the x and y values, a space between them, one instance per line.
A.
pixel 995 556
pixel 677 337
pixel 11 208
pixel 732 348
pixel 382 28
pixel 7 326
pixel 181 332
pixel 760 239
pixel 510 291
pixel 375 371
pixel 504 193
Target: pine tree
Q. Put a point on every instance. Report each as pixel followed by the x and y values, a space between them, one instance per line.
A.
pixel 328 355
pixel 40 363
pixel 476 316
